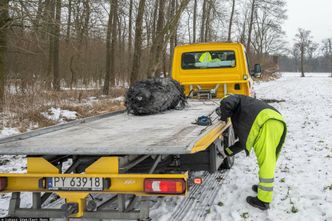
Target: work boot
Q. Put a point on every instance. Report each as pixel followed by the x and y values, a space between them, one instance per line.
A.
pixel 255 188
pixel 255 202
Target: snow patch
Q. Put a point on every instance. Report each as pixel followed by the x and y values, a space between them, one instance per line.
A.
pixel 119 99
pixel 58 115
pixel 5 132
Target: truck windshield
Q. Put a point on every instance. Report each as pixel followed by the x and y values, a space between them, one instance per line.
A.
pixel 208 59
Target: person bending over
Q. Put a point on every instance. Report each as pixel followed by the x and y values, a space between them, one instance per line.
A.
pixel 261 127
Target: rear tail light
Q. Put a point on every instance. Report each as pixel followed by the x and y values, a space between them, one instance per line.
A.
pixel 166 186
pixel 198 181
pixel 3 183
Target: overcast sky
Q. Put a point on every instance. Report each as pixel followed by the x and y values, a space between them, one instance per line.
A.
pixel 314 15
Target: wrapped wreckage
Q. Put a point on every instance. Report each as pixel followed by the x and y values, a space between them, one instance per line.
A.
pixel 154 95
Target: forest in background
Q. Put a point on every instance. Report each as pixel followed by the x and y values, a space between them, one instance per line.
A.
pixel 56 52
pixel 70 42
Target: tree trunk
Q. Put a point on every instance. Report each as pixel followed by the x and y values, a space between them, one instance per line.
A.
pixel 87 15
pixel 39 15
pixel 243 31
pixel 108 52
pixel 207 35
pixel 4 5
pixel 231 22
pixel 202 34
pixel 253 8
pixel 168 30
pixel 114 40
pixel 134 75
pixel 56 77
pixel 172 40
pixel 194 21
pixel 330 55
pixel 51 38
pixel 155 14
pixel 158 41
pixel 69 20
pixel 124 63
pixel 130 28
pixel 302 60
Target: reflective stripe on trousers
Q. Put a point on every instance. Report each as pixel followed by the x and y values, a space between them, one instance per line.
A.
pixel 265 150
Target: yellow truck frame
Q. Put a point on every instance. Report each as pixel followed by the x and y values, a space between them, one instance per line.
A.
pixel 121 173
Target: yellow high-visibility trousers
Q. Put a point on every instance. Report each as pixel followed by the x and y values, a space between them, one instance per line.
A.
pixel 265 149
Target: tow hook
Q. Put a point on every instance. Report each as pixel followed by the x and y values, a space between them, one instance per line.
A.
pixel 70 208
pixel 91 206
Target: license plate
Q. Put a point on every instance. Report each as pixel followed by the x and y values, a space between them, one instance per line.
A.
pixel 75 183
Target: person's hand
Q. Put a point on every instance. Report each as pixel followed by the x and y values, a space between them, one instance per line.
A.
pixel 218 111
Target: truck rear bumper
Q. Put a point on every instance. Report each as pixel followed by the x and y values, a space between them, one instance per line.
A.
pixel 40 171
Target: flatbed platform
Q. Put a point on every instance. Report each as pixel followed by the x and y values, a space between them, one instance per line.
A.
pixel 171 132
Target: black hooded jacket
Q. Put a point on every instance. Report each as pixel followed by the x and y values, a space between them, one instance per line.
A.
pixel 243 111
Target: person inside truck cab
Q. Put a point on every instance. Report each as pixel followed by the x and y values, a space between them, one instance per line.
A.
pixel 261 127
pixel 215 57
pixel 205 57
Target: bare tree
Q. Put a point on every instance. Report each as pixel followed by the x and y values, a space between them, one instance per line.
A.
pixel 158 40
pixel 242 28
pixel 194 21
pixel 50 21
pixel 208 20
pixel 296 54
pixel 327 53
pixel 4 5
pixel 203 21
pixel 329 43
pixel 40 8
pixel 134 76
pixel 229 38
pixel 69 20
pixel 130 27
pixel 162 38
pixel 172 42
pixel 90 43
pixel 114 40
pixel 251 22
pixel 108 52
pixel 267 29
pixel 303 41
pixel 56 45
pixel 110 47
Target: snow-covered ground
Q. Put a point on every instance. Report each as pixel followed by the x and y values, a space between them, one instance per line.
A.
pixel 58 115
pixel 303 180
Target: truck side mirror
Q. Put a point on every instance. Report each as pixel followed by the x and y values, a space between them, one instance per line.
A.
pixel 257 72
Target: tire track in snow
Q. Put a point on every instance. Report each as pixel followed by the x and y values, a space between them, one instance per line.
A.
pixel 197 205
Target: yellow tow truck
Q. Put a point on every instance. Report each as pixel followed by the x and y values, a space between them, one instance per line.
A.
pixel 106 167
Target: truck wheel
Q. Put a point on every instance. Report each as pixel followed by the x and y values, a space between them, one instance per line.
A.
pixel 229 140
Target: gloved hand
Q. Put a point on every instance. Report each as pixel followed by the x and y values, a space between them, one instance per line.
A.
pixel 218 111
pixel 233 149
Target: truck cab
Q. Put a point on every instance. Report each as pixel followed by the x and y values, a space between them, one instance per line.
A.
pixel 212 70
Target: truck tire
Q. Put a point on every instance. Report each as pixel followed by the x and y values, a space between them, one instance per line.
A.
pixel 229 140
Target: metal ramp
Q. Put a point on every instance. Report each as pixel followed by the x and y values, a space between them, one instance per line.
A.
pixel 171 132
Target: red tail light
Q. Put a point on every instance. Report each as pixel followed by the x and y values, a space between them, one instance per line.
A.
pixel 198 181
pixel 3 183
pixel 167 186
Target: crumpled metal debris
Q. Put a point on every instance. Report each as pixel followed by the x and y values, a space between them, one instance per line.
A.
pixel 155 95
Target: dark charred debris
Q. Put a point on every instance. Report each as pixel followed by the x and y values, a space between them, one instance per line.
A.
pixel 154 96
